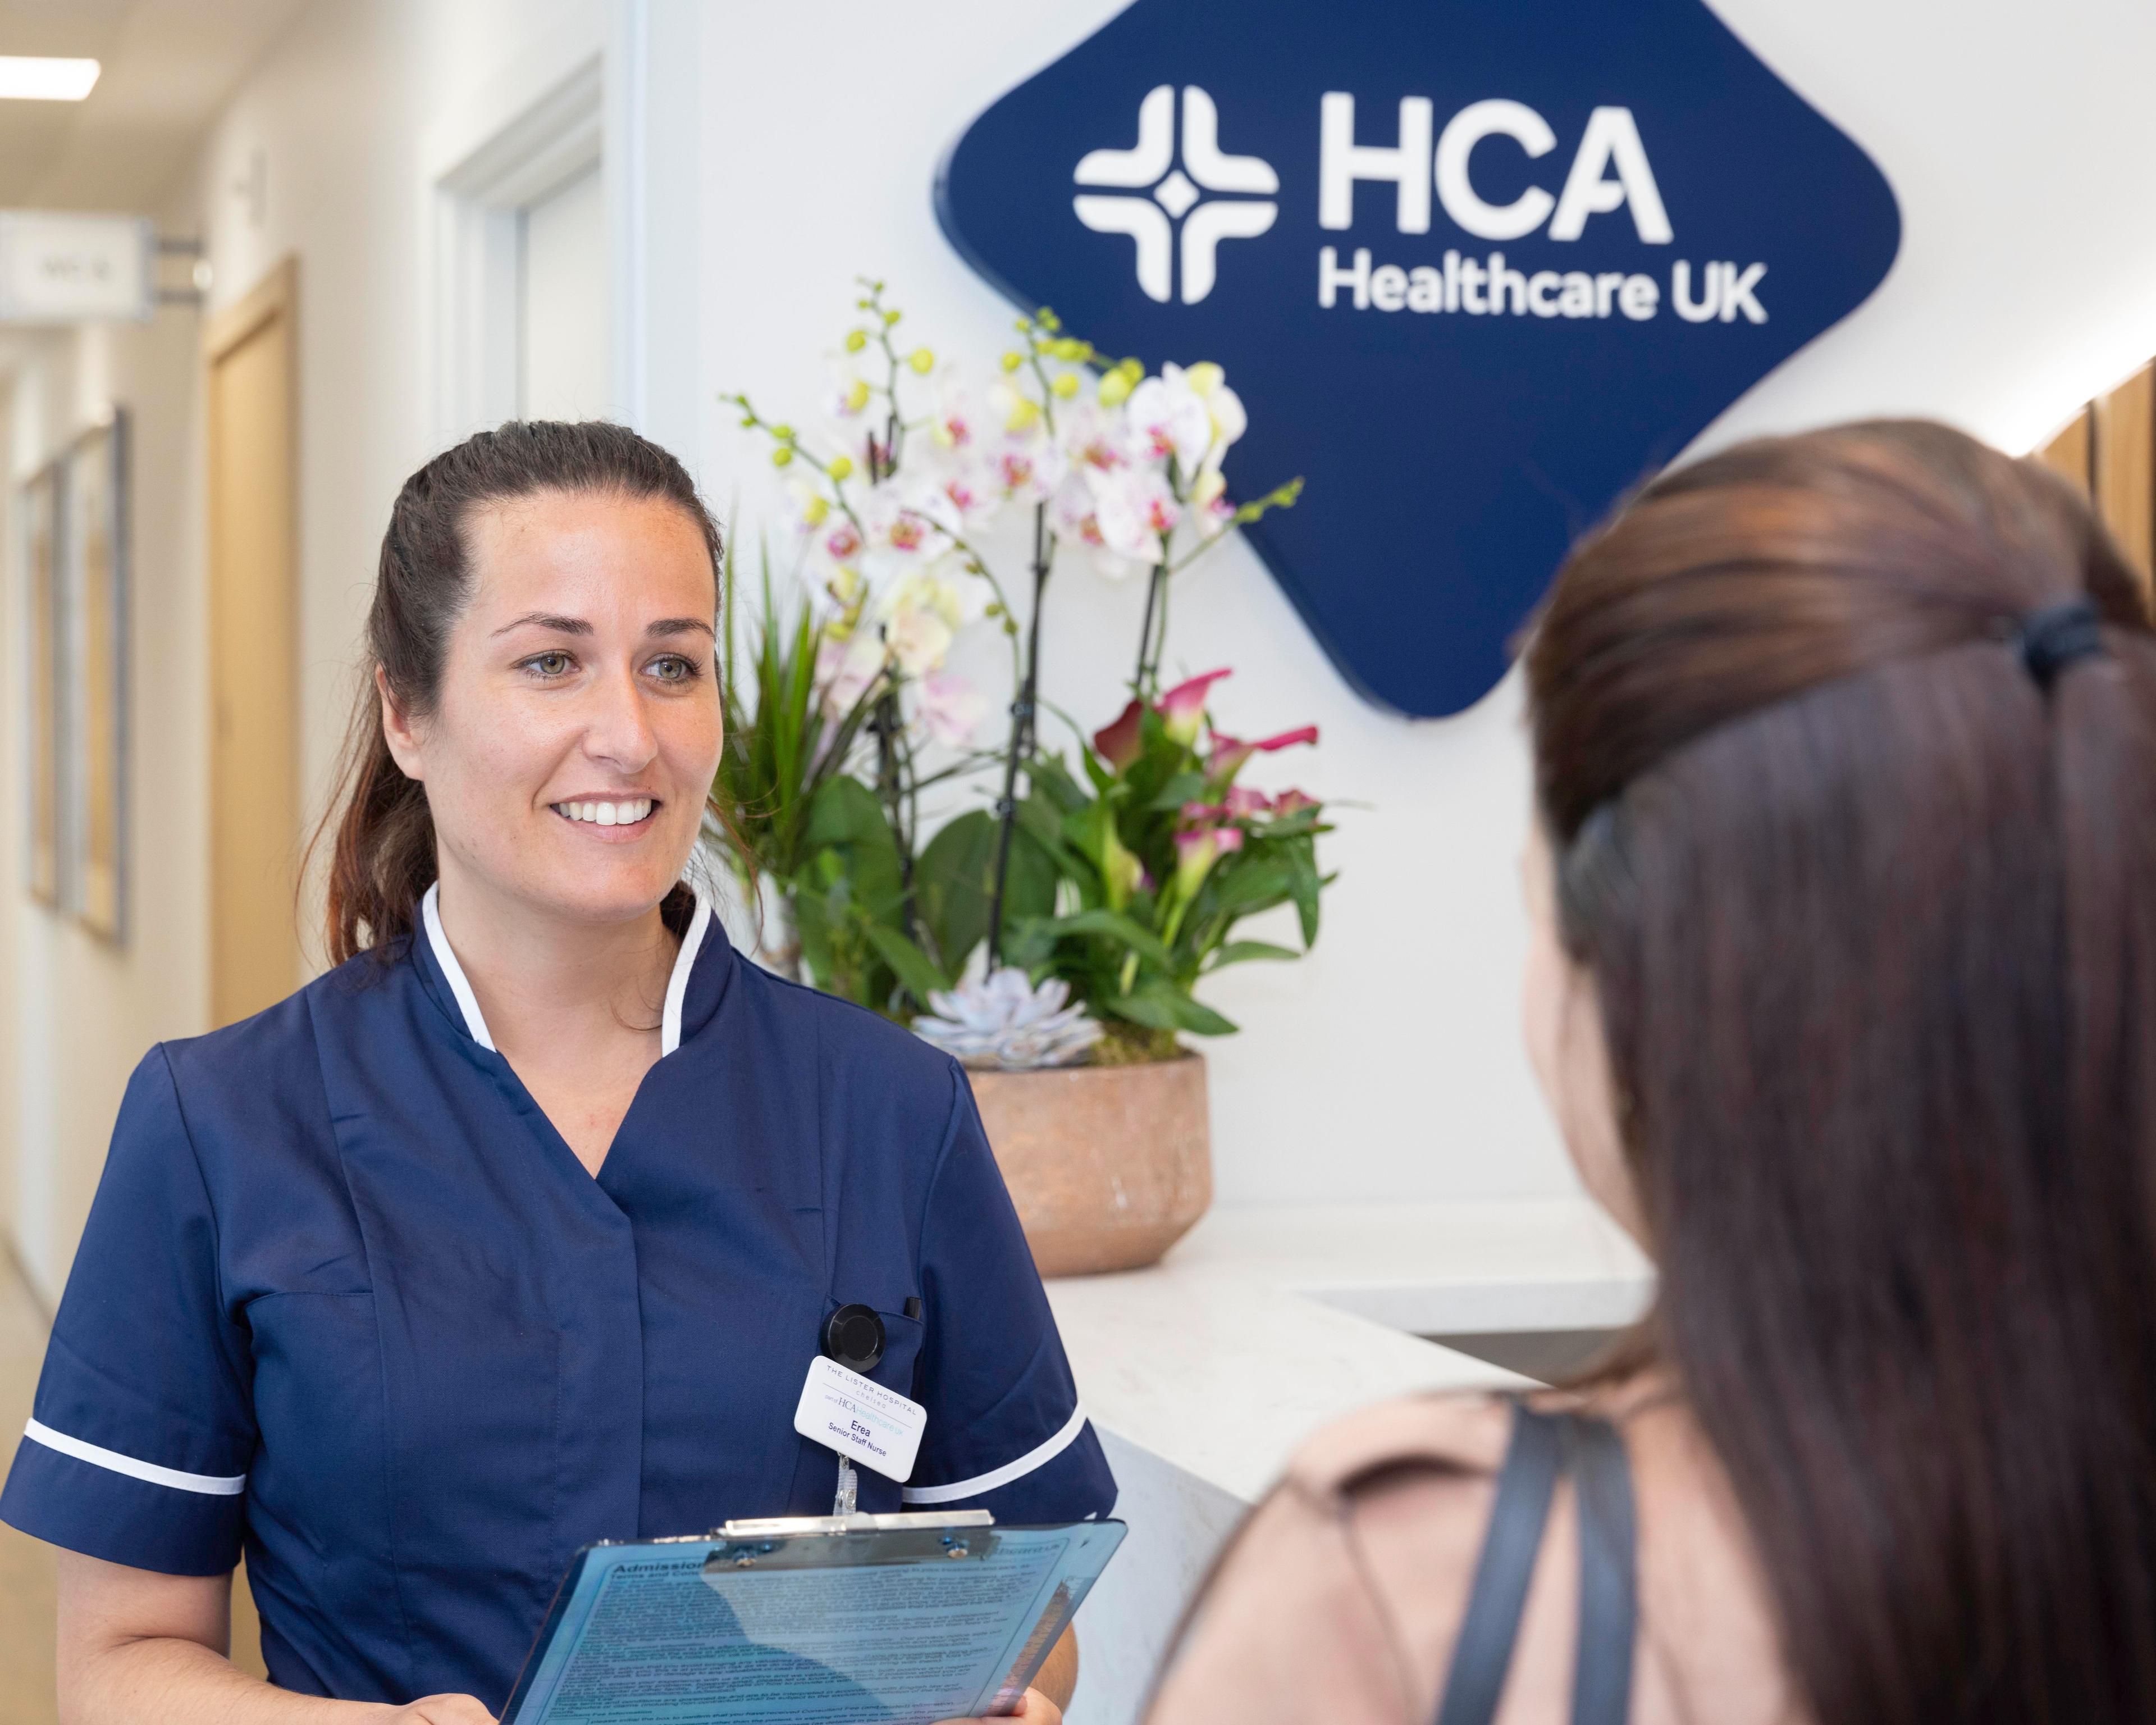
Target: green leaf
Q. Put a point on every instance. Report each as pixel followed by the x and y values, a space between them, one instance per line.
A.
pixel 953 882
pixel 1245 887
pixel 1162 1006
pixel 1029 943
pixel 1048 776
pixel 846 821
pixel 1040 820
pixel 1115 927
pixel 1183 788
pixel 1303 886
pixel 1242 951
pixel 913 966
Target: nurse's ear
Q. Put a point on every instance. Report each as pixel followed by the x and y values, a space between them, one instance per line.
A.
pixel 398 732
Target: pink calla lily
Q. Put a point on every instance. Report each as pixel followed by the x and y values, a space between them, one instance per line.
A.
pixel 1120 744
pixel 1229 752
pixel 1182 708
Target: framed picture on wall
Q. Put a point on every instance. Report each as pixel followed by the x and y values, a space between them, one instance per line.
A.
pixel 94 555
pixel 38 517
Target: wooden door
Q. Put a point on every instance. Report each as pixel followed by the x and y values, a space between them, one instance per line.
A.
pixel 254 652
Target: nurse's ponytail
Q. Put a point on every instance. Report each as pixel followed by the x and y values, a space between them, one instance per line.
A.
pixel 384 858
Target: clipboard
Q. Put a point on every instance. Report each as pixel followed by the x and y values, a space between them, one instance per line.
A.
pixel 897 1620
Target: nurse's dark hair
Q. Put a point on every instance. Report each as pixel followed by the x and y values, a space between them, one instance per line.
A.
pixel 382 861
pixel 1868 905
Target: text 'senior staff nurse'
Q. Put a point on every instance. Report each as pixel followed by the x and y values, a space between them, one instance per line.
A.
pixel 519 1228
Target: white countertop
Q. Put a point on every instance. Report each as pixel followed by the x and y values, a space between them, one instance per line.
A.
pixel 1263 1324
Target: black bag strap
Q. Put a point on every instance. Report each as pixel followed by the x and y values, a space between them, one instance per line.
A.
pixel 1609 1579
pixel 1544 1447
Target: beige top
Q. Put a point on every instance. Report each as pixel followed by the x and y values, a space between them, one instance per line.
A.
pixel 1341 1598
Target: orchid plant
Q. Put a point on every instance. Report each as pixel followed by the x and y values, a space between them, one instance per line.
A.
pixel 896 488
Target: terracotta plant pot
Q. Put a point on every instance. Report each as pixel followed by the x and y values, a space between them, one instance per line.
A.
pixel 1109 1166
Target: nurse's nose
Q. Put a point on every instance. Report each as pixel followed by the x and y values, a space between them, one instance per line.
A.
pixel 619 729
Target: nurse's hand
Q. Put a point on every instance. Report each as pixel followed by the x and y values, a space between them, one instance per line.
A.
pixel 440 1710
pixel 1035 1709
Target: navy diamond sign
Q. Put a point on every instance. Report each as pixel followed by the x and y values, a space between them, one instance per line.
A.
pixel 1475 268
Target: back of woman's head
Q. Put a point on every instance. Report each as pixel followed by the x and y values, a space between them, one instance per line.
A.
pixel 1866 880
pixel 383 860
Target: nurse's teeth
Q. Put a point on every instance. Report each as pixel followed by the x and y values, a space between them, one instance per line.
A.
pixel 607 815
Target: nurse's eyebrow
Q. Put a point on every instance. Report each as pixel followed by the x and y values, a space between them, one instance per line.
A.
pixel 681 626
pixel 548 620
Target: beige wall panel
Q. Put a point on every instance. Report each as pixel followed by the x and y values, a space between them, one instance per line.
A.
pixel 2068 452
pixel 254 775
pixel 2125 467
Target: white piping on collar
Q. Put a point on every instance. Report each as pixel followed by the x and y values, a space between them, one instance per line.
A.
pixel 460 983
pixel 677 984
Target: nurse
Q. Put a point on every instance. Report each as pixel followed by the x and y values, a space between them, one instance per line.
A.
pixel 518 1229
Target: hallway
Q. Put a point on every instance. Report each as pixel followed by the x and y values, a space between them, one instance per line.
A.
pixel 25 1565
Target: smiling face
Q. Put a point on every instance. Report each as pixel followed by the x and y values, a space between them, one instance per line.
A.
pixel 577 727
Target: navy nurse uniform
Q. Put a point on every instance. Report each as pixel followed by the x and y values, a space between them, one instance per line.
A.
pixel 347 1301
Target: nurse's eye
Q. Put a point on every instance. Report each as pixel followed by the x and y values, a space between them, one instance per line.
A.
pixel 676 667
pixel 550 663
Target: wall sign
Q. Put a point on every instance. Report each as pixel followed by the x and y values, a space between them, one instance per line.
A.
pixel 1477 269
pixel 60 267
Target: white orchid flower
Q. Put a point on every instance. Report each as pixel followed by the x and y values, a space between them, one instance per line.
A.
pixel 1028 469
pixel 1222 407
pixel 907 526
pixel 847 667
pixel 921 615
pixel 961 421
pixel 1078 522
pixel 1020 412
pixel 1169 418
pixel 1092 436
pixel 949 709
pixel 1135 508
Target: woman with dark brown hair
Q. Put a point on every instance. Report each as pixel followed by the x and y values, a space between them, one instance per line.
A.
pixel 1843 989
pixel 524 1227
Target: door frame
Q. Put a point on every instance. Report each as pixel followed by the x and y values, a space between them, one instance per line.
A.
pixel 477 200
pixel 275 296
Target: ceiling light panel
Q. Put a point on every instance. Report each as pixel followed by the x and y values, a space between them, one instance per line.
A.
pixel 28 78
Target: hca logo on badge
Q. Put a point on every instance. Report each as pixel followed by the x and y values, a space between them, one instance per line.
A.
pixel 1476 269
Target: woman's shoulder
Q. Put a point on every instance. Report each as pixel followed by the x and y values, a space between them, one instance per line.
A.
pixel 1455 1434
pixel 1335 1599
pixel 860 1053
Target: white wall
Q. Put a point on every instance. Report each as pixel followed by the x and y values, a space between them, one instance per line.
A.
pixel 78 1011
pixel 2019 140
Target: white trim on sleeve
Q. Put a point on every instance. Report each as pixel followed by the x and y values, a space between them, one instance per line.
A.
pixel 460 983
pixel 209 1484
pixel 1002 1476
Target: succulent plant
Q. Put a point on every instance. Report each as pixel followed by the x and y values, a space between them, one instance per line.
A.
pixel 1003 1022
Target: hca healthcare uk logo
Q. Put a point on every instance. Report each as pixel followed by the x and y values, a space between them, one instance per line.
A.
pixel 1477 269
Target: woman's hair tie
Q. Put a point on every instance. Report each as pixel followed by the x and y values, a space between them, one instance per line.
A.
pixel 2055 636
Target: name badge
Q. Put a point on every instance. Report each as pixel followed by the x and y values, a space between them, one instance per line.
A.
pixel 862 1421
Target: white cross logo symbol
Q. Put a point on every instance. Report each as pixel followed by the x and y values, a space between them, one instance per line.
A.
pixel 1174 190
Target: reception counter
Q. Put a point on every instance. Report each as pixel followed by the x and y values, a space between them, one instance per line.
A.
pixel 1204 1372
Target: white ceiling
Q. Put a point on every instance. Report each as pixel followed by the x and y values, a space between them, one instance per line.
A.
pixel 169 65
